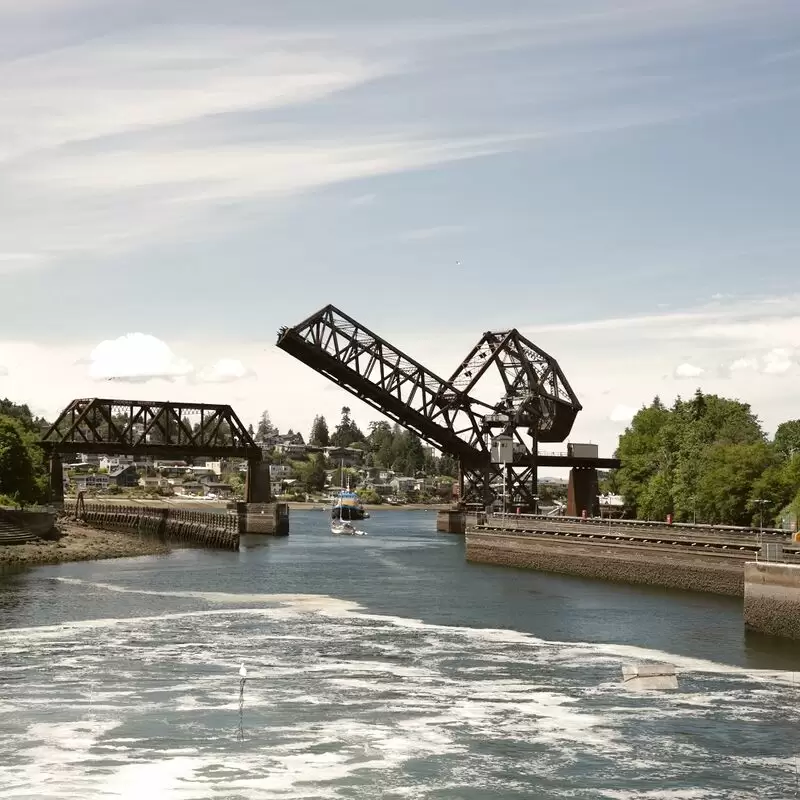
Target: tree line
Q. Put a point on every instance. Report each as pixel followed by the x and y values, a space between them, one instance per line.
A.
pixel 708 459
pixel 24 476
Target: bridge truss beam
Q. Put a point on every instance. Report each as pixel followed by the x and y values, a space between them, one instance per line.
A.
pixel 138 427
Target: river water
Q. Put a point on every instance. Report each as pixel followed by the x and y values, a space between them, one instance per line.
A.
pixel 379 667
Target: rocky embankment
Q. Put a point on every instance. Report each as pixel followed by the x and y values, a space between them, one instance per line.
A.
pixel 78 542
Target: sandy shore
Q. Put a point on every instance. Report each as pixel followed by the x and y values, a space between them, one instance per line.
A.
pixel 79 543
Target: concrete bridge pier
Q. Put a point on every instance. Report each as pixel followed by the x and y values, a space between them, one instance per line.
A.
pixel 56 481
pixel 258 514
pixel 772 598
pixel 257 484
pixel 582 492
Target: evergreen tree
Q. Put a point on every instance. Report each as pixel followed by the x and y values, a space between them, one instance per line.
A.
pixel 347 432
pixel 266 430
pixel 319 436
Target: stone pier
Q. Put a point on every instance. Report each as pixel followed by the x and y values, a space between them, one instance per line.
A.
pixel 772 598
pixel 451 521
pixel 264 518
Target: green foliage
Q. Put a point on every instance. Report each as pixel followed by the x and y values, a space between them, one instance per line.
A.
pixel 370 496
pixel 706 459
pixel 18 478
pixel 787 438
pixel 311 473
pixel 319 436
pixel 347 432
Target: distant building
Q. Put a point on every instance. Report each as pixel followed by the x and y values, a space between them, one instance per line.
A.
pixel 349 456
pixel 223 490
pixel 96 482
pixel 124 476
pixel 279 472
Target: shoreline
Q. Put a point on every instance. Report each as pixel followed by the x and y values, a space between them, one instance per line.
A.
pixel 79 543
pixel 199 505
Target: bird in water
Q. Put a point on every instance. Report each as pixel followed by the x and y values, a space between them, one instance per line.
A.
pixel 242 672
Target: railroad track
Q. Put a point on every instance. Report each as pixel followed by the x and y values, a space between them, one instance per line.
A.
pixel 742 547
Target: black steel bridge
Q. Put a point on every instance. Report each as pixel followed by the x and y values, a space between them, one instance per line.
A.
pixel 537 404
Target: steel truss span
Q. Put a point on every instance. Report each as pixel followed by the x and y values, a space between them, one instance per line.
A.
pixel 445 412
pixel 139 427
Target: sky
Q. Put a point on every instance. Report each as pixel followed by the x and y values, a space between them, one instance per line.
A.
pixel 617 180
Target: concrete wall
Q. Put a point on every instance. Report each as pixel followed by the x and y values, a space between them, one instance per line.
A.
pixel 263 518
pixel 451 521
pixel 39 523
pixel 772 598
pixel 719 574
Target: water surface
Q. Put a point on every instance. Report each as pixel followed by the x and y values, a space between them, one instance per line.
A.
pixel 379 666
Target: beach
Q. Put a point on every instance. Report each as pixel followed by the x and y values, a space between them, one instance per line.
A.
pixel 79 543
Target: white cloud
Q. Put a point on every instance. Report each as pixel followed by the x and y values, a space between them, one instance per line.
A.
pixel 226 370
pixel 777 361
pixel 3 371
pixel 743 364
pixel 688 371
pixel 136 357
pixel 623 413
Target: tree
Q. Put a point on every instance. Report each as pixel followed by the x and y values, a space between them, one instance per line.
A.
pixel 314 478
pixel 266 430
pixel 319 436
pixel 787 438
pixel 17 473
pixel 724 488
pixel 665 454
pixel 346 431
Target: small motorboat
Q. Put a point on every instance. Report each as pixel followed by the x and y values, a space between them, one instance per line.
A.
pixel 344 528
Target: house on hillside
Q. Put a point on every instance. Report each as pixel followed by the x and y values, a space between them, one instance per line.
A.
pixel 124 476
pixel 349 456
pixel 98 482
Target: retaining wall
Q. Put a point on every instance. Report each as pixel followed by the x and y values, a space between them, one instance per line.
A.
pixel 719 573
pixel 772 598
pixel 174 526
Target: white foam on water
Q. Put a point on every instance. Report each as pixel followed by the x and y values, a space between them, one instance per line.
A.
pixel 327 701
pixel 337 607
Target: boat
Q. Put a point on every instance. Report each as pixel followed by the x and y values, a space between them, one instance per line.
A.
pixel 348 507
pixel 341 527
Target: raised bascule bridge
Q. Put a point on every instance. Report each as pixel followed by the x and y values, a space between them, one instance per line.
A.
pixel 495 443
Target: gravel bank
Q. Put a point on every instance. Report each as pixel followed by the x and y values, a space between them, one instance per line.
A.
pixel 79 543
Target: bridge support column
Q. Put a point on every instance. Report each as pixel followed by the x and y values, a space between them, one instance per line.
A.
pixel 772 598
pixel 257 487
pixel 582 492
pixel 263 518
pixel 56 481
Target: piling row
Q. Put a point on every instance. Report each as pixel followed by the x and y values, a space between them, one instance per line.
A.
pixel 173 526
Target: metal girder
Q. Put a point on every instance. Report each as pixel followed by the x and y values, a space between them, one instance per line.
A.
pixel 537 394
pixel 445 413
pixel 138 427
pixel 367 366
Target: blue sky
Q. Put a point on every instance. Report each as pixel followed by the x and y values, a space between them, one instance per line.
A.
pixel 204 173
